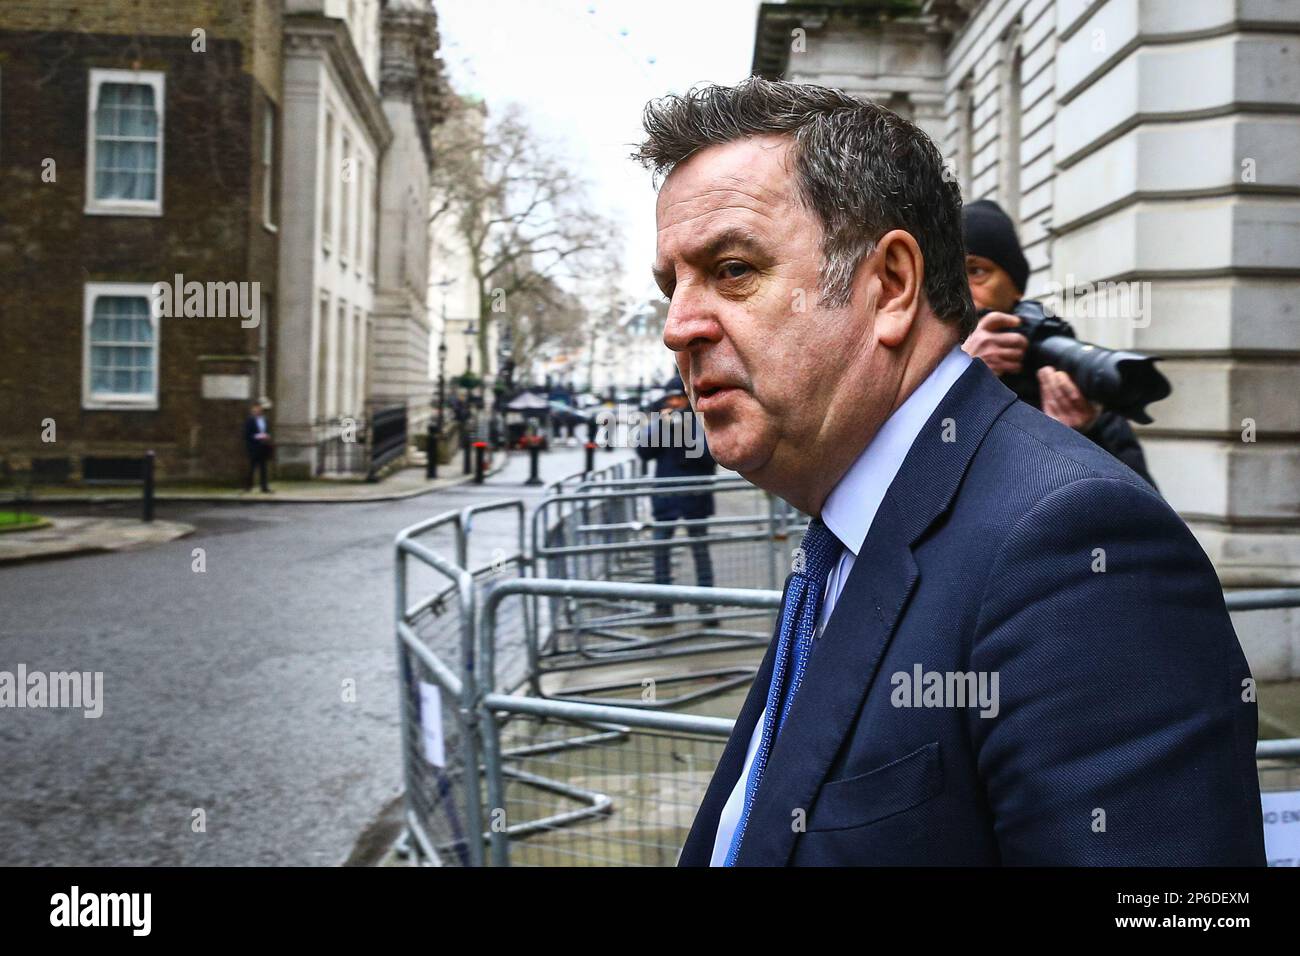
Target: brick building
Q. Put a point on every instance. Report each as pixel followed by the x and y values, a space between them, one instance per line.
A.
pixel 135 149
pixel 190 219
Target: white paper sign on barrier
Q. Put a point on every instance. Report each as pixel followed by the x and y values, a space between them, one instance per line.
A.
pixel 431 724
pixel 1282 827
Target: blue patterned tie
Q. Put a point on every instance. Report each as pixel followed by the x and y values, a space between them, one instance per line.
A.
pixel 803 603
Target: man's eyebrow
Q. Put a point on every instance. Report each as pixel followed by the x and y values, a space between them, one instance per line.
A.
pixel 733 238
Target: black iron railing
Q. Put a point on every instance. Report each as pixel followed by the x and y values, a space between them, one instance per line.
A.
pixel 387 438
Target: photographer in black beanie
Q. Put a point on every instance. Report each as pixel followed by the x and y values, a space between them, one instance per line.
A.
pixel 998 272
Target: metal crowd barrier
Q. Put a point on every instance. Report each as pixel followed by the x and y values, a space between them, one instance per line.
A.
pixel 435 647
pixel 605 531
pixel 577 782
pixel 513 755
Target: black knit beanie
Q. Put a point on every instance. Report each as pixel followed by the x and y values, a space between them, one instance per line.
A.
pixel 989 233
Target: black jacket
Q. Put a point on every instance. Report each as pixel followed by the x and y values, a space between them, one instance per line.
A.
pixel 256 449
pixel 1110 431
pixel 663 443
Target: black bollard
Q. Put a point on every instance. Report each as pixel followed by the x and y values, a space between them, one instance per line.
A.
pixel 147 502
pixel 464 442
pixel 591 458
pixel 480 449
pixel 431 443
pixel 534 450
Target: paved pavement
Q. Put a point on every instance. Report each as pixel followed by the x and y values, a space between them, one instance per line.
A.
pixel 249 709
pixel 404 483
pixel 63 537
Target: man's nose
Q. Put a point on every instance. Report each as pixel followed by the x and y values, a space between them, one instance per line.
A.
pixel 692 320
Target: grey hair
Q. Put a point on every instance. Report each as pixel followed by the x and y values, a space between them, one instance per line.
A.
pixel 861 168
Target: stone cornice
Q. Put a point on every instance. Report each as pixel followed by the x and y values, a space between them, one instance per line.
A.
pixel 328 38
pixel 772 37
pixel 411 71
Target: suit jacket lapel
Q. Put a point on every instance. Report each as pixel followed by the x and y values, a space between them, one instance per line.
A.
pixel 698 848
pixel 847 656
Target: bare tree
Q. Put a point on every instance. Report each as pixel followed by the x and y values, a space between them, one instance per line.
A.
pixel 523 218
pixel 544 318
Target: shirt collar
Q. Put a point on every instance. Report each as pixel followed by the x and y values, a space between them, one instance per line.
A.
pixel 852 504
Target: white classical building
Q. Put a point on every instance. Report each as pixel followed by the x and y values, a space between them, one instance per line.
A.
pixel 1150 143
pixel 335 133
pixel 414 93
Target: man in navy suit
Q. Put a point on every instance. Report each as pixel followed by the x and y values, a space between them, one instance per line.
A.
pixel 675 443
pixel 997 645
pixel 257 442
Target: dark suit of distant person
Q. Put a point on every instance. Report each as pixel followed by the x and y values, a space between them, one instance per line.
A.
pixel 675 442
pixel 257 444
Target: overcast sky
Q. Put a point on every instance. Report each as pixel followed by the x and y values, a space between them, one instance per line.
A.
pixel 583 70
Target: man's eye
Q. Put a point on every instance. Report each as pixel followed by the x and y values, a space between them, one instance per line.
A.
pixel 733 269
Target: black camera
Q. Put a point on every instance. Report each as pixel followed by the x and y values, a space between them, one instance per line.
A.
pixel 1123 382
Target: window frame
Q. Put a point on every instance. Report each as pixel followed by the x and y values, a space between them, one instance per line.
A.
pixel 347 172
pixel 125 207
pixel 327 182
pixel 117 401
pixel 268 168
pixel 363 220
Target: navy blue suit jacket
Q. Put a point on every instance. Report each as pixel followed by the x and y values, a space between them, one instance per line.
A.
pixel 1121 737
pixel 674 457
pixel 256 449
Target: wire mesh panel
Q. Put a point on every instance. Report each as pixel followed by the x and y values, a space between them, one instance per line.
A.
pixel 434 741
pixel 623 662
pixel 606 531
pixel 438 561
pixel 598 794
pixel 590 774
pixel 435 650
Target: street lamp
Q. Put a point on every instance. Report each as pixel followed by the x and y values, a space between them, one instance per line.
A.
pixel 442 382
pixel 470 333
pixel 434 440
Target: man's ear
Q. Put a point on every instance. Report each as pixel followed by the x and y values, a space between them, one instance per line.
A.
pixel 898 272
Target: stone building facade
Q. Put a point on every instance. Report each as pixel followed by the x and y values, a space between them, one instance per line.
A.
pixel 414 94
pixel 1151 144
pixel 336 130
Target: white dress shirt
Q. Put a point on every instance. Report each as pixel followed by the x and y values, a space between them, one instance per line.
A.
pixel 848 512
